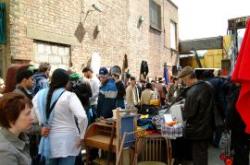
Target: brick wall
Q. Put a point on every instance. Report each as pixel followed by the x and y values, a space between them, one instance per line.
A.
pixel 55 21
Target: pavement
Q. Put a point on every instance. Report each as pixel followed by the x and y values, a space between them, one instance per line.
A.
pixel 213 157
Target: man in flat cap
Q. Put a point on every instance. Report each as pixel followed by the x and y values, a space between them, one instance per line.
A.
pixel 198 111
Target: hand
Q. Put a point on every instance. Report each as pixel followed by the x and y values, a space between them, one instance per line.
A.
pixel 45 131
pixel 80 143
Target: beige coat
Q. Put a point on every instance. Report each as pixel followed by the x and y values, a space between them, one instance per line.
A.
pixel 132 96
pixel 146 96
pixel 13 150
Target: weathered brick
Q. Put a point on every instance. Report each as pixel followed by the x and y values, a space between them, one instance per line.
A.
pixel 119 33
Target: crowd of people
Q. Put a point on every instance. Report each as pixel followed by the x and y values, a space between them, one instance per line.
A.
pixel 55 111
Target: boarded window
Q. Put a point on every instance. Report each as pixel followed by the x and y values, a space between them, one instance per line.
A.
pixel 173 40
pixel 155 15
pixel 56 54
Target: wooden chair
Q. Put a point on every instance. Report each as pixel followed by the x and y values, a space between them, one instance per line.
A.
pixel 154 150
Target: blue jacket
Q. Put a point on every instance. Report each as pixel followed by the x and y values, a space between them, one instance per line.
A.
pixel 107 99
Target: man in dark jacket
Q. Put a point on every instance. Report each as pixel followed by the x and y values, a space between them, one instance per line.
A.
pixel 121 91
pixel 24 86
pixel 24 82
pixel 239 139
pixel 107 94
pixel 41 77
pixel 197 113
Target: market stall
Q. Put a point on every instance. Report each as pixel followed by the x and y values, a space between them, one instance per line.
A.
pixel 132 138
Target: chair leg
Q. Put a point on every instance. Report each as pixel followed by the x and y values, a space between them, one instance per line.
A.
pixel 120 149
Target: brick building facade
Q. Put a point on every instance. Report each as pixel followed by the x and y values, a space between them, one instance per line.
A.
pixel 44 30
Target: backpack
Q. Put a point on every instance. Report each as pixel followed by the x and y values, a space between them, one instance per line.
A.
pixel 217 116
pixel 232 117
pixel 225 96
pixel 83 91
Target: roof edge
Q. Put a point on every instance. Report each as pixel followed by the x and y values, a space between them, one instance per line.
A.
pixel 172 3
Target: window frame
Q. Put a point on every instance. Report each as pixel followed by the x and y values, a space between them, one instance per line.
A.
pixel 175 35
pixel 155 11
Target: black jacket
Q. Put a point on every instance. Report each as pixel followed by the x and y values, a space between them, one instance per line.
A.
pixel 144 68
pixel 198 111
pixel 83 91
pixel 120 89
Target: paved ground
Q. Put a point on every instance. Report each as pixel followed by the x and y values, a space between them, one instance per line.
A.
pixel 213 157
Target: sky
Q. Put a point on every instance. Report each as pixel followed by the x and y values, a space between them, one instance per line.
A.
pixel 208 18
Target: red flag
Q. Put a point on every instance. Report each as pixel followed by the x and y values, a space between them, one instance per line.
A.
pixel 241 74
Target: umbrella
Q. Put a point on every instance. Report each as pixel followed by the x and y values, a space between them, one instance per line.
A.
pixel 165 73
pixel 241 74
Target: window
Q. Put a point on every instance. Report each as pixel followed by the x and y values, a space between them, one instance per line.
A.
pixel 155 15
pixel 56 54
pixel 240 35
pixel 173 40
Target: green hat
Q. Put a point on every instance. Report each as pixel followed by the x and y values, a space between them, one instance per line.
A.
pixel 74 77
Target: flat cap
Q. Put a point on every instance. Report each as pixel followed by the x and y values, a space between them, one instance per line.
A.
pixel 187 70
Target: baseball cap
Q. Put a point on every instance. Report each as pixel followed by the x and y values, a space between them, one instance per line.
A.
pixel 103 71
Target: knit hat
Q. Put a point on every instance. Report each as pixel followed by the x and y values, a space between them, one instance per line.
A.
pixel 74 77
pixel 59 78
pixel 187 70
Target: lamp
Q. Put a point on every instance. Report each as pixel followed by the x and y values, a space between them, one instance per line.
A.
pixel 141 19
pixel 80 30
pixel 97 8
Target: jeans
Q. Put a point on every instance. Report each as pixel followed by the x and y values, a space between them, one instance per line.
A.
pixel 70 160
